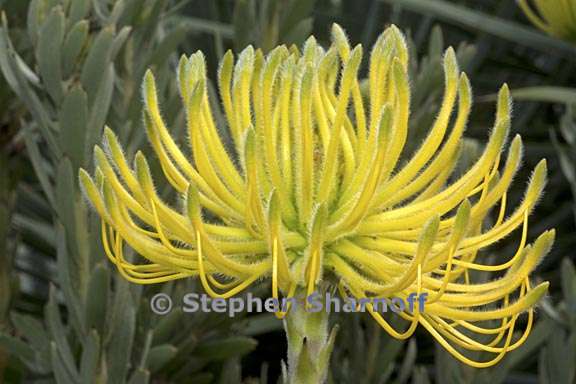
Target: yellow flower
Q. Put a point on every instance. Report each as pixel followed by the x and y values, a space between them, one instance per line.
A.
pixel 555 17
pixel 315 188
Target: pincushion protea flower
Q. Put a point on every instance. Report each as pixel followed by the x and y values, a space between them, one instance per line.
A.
pixel 316 189
pixel 555 17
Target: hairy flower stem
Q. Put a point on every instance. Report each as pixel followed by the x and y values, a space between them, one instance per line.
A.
pixel 310 344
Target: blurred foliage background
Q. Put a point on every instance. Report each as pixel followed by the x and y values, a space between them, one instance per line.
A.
pixel 70 66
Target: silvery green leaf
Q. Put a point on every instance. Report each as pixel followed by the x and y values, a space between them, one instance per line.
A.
pixel 569 286
pixel 26 72
pixel 42 231
pixel 450 370
pixel 69 276
pixel 549 94
pixel 408 362
pixel 18 348
pixel 97 298
pixel 119 41
pixel 100 108
pixel 264 373
pixel 59 368
pixel 75 41
pixel 78 10
pixel 300 31
pixel 558 356
pixel 299 11
pixel 167 325
pixel 543 376
pixel 121 341
pixel 93 71
pixel 90 357
pixel 566 160
pixel 260 324
pixel 17 81
pixel 73 122
pixel 34 332
pixel 101 10
pixel 420 375
pixel 140 376
pixel 50 39
pixel 231 372
pixel 568 125
pixel 169 45
pixel 436 44
pixel 159 356
pixel 225 348
pixel 67 197
pixel 244 22
pixel 117 11
pixel 33 19
pixel 202 378
pixel 120 300
pixel 61 352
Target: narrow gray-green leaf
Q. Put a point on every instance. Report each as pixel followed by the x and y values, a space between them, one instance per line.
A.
pixel 168 46
pixel 69 272
pixel 17 80
pixel 561 95
pixel 59 367
pixel 231 372
pixel 420 375
pixel 167 326
pixel 39 163
pixel 225 348
pixel 73 45
pixel 436 44
pixel 159 356
pixel 568 125
pixel 300 32
pixel 90 357
pixel 566 160
pixel 78 10
pixel 119 41
pixel 65 197
pixel 569 286
pixel 244 23
pixel 202 378
pixel 299 10
pixel 49 51
pixel 33 20
pixel 120 348
pixel 73 122
pixel 100 108
pixel 96 63
pixel 117 10
pixel 97 298
pixel 60 344
pixel 32 329
pixel 18 348
pixel 203 25
pixel 142 376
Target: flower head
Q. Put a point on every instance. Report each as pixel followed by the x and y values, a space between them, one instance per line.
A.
pixel 314 186
pixel 557 18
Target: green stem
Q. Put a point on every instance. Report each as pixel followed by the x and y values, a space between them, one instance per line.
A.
pixel 309 344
